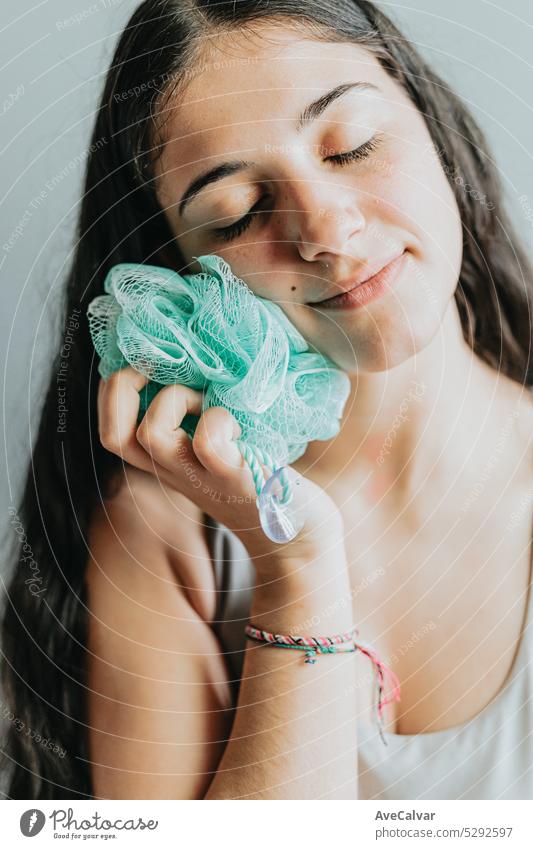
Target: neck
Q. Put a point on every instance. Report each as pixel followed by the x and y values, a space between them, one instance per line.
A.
pixel 420 418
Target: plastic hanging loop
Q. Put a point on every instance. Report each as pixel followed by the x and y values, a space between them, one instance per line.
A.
pixel 280 520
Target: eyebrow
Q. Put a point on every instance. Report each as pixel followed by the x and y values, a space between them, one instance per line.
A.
pixel 311 112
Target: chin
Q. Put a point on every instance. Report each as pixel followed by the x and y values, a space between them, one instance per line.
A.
pixel 379 350
pixel 390 330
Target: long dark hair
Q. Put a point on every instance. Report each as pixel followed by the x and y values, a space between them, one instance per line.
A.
pixel 45 622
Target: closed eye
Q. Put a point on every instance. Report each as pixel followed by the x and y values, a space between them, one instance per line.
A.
pixel 350 156
pixel 234 230
pixel 359 153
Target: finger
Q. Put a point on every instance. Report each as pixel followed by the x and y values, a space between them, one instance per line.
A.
pixel 160 433
pixel 214 443
pixel 118 409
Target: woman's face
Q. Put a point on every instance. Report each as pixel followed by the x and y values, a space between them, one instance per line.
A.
pixel 320 221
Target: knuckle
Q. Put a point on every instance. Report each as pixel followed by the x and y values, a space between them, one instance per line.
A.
pixel 214 438
pixel 201 443
pixel 113 379
pixel 108 439
pixel 152 437
pixel 207 450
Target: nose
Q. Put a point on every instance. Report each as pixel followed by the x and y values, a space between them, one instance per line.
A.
pixel 326 225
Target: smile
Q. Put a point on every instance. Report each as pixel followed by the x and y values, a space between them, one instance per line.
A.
pixel 363 293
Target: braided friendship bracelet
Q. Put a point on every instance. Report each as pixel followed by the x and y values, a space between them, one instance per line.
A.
pixel 311 645
pixel 344 642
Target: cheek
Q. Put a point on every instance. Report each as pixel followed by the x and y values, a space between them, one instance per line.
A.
pixel 419 199
pixel 442 233
pixel 263 265
pixel 433 205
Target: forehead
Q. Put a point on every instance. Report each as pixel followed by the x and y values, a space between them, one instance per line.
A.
pixel 241 85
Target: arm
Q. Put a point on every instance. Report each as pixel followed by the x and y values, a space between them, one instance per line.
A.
pixel 160 711
pixel 158 698
pixel 294 734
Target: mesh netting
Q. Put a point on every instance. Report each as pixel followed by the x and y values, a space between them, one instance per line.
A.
pixel 210 332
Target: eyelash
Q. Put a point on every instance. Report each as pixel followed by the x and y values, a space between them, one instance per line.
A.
pixel 356 155
pixel 359 153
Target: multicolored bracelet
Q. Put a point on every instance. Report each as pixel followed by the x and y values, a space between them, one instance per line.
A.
pixel 311 645
pixel 345 642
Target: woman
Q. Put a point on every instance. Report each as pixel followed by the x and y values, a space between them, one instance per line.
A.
pixel 418 527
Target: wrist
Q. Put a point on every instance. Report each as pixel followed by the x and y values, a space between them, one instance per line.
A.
pixel 302 562
pixel 300 602
pixel 308 549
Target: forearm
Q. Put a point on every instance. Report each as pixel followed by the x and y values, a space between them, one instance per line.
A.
pixel 294 735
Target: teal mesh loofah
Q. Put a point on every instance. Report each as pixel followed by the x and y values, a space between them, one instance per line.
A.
pixel 210 332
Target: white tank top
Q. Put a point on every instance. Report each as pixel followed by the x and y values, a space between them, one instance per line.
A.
pixel 488 757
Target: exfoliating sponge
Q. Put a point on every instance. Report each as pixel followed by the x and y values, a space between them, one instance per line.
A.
pixel 210 332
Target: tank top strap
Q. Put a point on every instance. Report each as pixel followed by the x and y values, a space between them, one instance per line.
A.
pixel 215 544
pixel 234 580
pixel 524 651
pixel 528 621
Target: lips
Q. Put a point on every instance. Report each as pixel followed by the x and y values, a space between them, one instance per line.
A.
pixel 365 276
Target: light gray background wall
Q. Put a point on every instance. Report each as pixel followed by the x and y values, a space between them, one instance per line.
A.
pixel 52 71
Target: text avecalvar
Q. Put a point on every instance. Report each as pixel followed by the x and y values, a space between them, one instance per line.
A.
pixel 404 815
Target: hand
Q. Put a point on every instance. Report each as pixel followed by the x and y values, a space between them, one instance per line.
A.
pixel 209 469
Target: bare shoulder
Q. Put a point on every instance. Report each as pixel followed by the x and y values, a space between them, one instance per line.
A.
pixel 155 536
